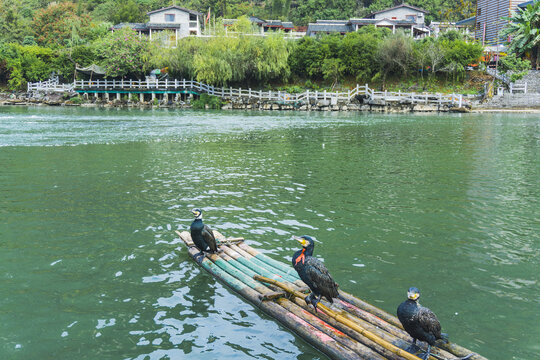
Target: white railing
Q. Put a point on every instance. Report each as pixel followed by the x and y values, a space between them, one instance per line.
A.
pixel 326 97
pixel 517 87
pixel 51 85
pixel 512 87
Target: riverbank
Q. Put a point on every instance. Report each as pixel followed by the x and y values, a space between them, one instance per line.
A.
pixel 507 103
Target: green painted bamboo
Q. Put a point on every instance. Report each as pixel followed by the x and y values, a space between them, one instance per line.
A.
pixel 238 264
pixel 317 338
pixel 241 276
pixel 283 275
pixel 259 266
pixel 287 268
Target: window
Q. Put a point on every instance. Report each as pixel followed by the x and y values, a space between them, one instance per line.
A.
pixel 169 17
pixel 411 17
pixel 479 12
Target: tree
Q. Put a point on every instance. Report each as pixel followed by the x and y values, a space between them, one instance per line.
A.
pixel 395 55
pixel 461 9
pixel 358 51
pixel 56 24
pixel 516 66
pixel 24 63
pixel 333 69
pixel 524 31
pixel 14 27
pixel 123 53
pixel 126 11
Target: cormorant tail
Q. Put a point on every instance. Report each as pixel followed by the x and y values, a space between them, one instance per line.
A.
pixel 444 338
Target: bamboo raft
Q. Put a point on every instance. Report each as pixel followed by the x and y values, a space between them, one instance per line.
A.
pixel 347 329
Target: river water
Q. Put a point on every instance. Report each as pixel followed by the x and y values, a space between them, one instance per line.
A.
pixel 90 266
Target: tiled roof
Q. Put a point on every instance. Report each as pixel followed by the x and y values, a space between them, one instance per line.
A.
pixel 397 7
pixel 468 21
pixel 256 20
pixel 288 25
pixel 273 23
pixel 163 26
pixel 525 4
pixel 318 27
pixel 134 26
pixel 337 22
pixel 175 7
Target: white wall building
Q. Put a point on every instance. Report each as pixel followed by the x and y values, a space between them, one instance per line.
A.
pixel 177 21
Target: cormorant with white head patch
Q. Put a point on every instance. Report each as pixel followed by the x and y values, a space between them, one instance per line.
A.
pixel 420 322
pixel 201 234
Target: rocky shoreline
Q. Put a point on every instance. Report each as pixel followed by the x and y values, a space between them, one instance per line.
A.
pixel 357 105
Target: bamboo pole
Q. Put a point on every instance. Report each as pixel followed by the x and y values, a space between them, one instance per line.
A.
pixel 344 321
pixel 321 340
pixel 452 348
pixel 350 332
pixel 229 265
pixel 286 268
pixel 357 347
pixel 263 265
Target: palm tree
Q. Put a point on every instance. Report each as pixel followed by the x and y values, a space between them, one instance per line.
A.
pixel 524 32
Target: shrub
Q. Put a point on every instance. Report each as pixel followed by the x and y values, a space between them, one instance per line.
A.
pixel 213 102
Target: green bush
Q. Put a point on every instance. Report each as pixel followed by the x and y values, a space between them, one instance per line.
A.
pixel 213 102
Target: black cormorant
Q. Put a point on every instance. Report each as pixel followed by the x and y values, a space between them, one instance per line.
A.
pixel 313 273
pixel 420 322
pixel 201 234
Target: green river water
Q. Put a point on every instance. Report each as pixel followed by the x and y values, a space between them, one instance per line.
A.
pixel 90 266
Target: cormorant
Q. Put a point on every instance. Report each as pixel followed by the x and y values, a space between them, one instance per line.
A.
pixel 313 273
pixel 420 322
pixel 201 234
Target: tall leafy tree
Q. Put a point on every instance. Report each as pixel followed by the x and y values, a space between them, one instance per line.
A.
pixel 14 26
pixel 523 30
pixel 124 53
pixel 55 26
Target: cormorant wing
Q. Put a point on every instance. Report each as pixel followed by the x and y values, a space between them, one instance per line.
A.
pixel 209 238
pixel 320 278
pixel 429 321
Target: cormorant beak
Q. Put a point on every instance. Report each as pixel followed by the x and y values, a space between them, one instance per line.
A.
pixel 301 240
pixel 195 213
pixel 413 296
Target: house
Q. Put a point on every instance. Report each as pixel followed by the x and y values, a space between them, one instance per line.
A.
pixel 403 16
pixel 329 27
pixel 406 17
pixel 264 25
pixel 525 4
pixel 401 12
pixel 465 26
pixel 489 22
pixel 178 21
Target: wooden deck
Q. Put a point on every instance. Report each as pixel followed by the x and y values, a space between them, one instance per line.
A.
pixel 347 329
